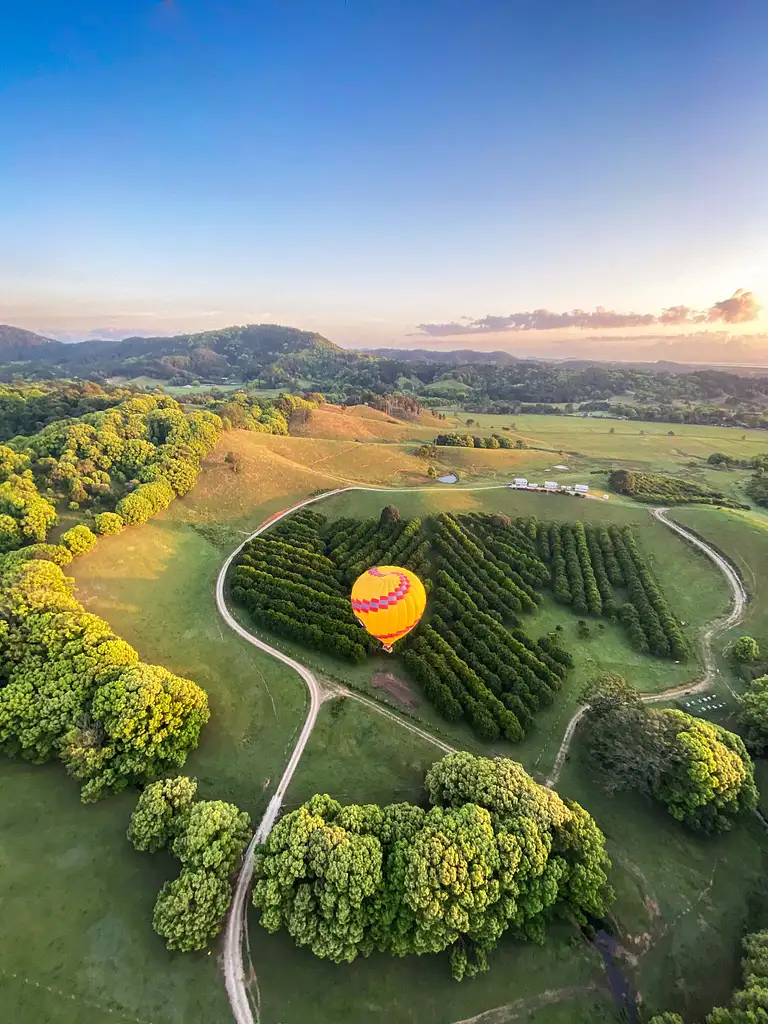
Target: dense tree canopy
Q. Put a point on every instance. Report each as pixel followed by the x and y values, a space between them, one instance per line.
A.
pixel 208 837
pixel 153 822
pixel 108 523
pixel 190 910
pixel 495 852
pixel 70 688
pixel 699 771
pixel 79 539
pixel 745 650
pixel 753 715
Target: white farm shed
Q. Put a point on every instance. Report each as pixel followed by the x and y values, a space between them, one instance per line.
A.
pixel 520 481
pixel 581 488
pixel 550 485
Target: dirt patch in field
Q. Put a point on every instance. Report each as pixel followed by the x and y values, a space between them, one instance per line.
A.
pixel 396 688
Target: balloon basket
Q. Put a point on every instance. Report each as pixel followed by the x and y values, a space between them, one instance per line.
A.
pixel 387 648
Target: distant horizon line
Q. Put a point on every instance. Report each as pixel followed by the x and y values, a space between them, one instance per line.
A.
pixel 448 350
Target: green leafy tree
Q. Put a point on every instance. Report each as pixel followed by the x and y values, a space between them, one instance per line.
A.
pixel 699 771
pixel 155 818
pixel 108 523
pixel 10 533
pixel 79 540
pixel 389 514
pixel 190 910
pixel 753 715
pixel 709 780
pixel 212 837
pixel 745 650
pixel 142 723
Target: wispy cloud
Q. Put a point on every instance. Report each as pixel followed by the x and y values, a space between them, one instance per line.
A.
pixel 741 307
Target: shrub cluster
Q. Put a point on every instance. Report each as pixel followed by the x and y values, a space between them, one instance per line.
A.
pixel 474 441
pixel 208 837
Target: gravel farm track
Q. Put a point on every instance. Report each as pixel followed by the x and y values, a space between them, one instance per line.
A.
pixel 244 1007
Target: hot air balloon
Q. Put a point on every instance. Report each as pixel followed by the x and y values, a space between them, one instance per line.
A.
pixel 388 601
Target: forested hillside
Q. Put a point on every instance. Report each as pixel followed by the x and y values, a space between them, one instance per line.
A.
pixel 273 356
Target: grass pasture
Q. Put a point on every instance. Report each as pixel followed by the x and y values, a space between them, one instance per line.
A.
pixel 80 899
pixel 586 444
pixel 77 943
pixel 683 901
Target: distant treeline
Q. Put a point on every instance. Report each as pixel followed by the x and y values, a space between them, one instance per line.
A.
pixel 473 441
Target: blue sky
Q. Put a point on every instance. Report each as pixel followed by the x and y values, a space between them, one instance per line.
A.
pixel 360 168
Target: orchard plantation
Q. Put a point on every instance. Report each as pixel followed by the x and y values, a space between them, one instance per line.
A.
pixel 473 654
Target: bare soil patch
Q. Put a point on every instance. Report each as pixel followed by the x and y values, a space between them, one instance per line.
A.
pixel 398 689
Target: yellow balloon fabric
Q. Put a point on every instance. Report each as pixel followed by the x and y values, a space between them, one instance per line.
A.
pixel 389 601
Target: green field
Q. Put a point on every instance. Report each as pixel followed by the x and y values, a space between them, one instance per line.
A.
pixel 683 901
pixel 587 445
pixel 81 899
pixel 77 944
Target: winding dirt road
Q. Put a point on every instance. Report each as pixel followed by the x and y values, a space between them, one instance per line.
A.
pixel 234 935
pixel 236 928
pixel 711 671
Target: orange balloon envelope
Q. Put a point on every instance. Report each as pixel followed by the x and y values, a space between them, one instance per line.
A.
pixel 389 602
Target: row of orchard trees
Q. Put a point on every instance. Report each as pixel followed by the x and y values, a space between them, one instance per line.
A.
pixel 473 659
pixel 355 545
pixel 494 853
pixel 71 689
pixel 471 665
pixel 290 586
pixel 587 564
pixel 473 441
